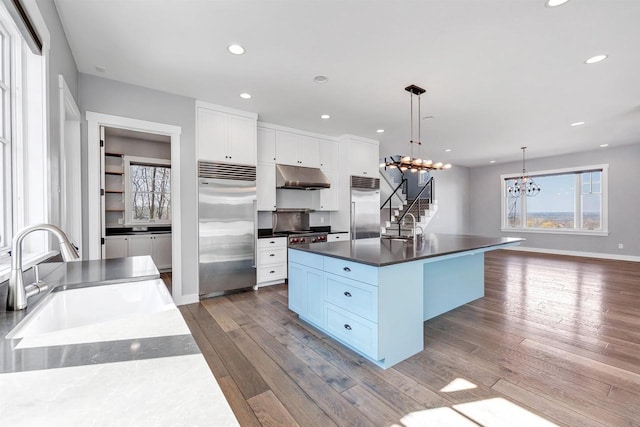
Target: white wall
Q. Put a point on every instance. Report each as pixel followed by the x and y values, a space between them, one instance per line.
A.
pixel 121 99
pixel 624 193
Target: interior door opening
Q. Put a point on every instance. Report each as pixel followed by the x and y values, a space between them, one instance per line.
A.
pixel 136 209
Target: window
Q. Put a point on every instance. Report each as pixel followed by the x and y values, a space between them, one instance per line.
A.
pixel 570 201
pixel 23 141
pixel 148 191
pixel 5 142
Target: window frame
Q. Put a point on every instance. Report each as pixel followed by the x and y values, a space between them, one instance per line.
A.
pixel 128 193
pixel 604 220
pixel 6 140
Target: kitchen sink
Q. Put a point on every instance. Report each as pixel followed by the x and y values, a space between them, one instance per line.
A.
pixel 72 308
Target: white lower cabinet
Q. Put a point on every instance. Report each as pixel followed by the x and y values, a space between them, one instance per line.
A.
pixel 116 247
pixel 337 237
pixel 156 245
pixel 271 265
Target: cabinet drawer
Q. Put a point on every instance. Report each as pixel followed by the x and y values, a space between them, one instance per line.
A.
pixel 352 270
pixel 272 242
pixel 305 258
pixel 353 296
pixel 338 237
pixel 272 272
pixel 359 333
pixel 271 256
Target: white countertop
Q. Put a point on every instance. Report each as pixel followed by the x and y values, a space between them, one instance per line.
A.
pixel 137 370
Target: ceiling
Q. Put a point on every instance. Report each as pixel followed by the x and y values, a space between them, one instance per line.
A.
pixel 499 74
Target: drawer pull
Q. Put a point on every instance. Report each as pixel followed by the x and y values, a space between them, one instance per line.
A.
pixel 272 271
pixel 347 294
pixel 272 242
pixel 272 254
pixel 347 269
pixel 347 327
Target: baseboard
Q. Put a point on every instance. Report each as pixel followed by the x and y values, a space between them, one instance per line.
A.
pixel 576 253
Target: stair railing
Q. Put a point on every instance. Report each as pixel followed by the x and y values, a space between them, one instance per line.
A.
pixel 403 186
pixel 418 200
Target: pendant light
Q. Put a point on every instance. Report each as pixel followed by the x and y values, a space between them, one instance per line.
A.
pixel 523 185
pixel 411 163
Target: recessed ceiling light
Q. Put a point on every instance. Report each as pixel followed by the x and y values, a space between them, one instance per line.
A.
pixel 236 49
pixel 604 145
pixel 325 116
pixel 245 95
pixel 320 79
pixel 577 124
pixel 596 59
pixel 447 150
pixel 492 161
pixel 554 3
pixel 100 69
pixel 380 131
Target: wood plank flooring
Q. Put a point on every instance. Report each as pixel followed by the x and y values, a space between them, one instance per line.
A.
pixel 555 341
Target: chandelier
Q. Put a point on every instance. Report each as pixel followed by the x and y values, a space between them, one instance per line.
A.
pixel 524 185
pixel 414 164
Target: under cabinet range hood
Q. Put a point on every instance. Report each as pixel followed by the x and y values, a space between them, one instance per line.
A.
pixel 300 178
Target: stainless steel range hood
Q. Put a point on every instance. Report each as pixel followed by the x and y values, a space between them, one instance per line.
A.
pixel 300 178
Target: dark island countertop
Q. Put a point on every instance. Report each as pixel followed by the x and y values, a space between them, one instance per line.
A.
pixel 381 252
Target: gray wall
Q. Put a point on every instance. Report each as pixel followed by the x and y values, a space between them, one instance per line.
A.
pixel 60 62
pixel 111 97
pixel 451 190
pixel 623 191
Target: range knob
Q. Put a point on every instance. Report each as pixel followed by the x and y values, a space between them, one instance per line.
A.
pixel 322 238
pixel 303 240
pixel 294 240
pixel 314 240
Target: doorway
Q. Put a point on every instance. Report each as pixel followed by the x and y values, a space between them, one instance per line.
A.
pixel 97 220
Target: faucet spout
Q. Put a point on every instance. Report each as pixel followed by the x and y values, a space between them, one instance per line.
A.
pixel 413 227
pixel 17 293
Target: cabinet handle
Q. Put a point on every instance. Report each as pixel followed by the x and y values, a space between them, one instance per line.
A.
pixel 272 254
pixel 337 237
pixel 271 272
pixel 347 269
pixel 347 327
pixel 347 294
pixel 272 242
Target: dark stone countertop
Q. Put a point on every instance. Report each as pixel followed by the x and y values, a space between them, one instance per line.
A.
pixel 381 252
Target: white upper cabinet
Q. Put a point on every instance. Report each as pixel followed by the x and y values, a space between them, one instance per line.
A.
pixel 297 150
pixel 329 200
pixel 266 186
pixel 225 135
pixel 329 154
pixel 266 145
pixel 363 158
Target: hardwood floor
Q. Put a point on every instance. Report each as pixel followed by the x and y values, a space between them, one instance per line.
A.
pixel 555 340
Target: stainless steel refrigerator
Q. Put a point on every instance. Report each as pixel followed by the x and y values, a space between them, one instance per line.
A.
pixel 365 207
pixel 227 218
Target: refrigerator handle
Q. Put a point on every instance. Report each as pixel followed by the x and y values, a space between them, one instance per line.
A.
pixel 353 220
pixel 255 233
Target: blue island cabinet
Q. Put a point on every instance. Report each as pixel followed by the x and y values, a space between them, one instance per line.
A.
pixel 376 311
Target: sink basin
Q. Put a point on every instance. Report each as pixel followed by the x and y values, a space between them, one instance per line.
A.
pixel 73 308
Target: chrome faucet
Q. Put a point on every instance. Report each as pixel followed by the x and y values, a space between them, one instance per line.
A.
pixel 413 228
pixel 18 293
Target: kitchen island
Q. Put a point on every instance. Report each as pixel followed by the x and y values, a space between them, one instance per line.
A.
pixel 373 295
pixel 140 367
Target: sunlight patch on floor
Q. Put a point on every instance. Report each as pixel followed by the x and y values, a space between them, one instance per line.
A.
pixel 441 417
pixel 458 384
pixel 498 412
